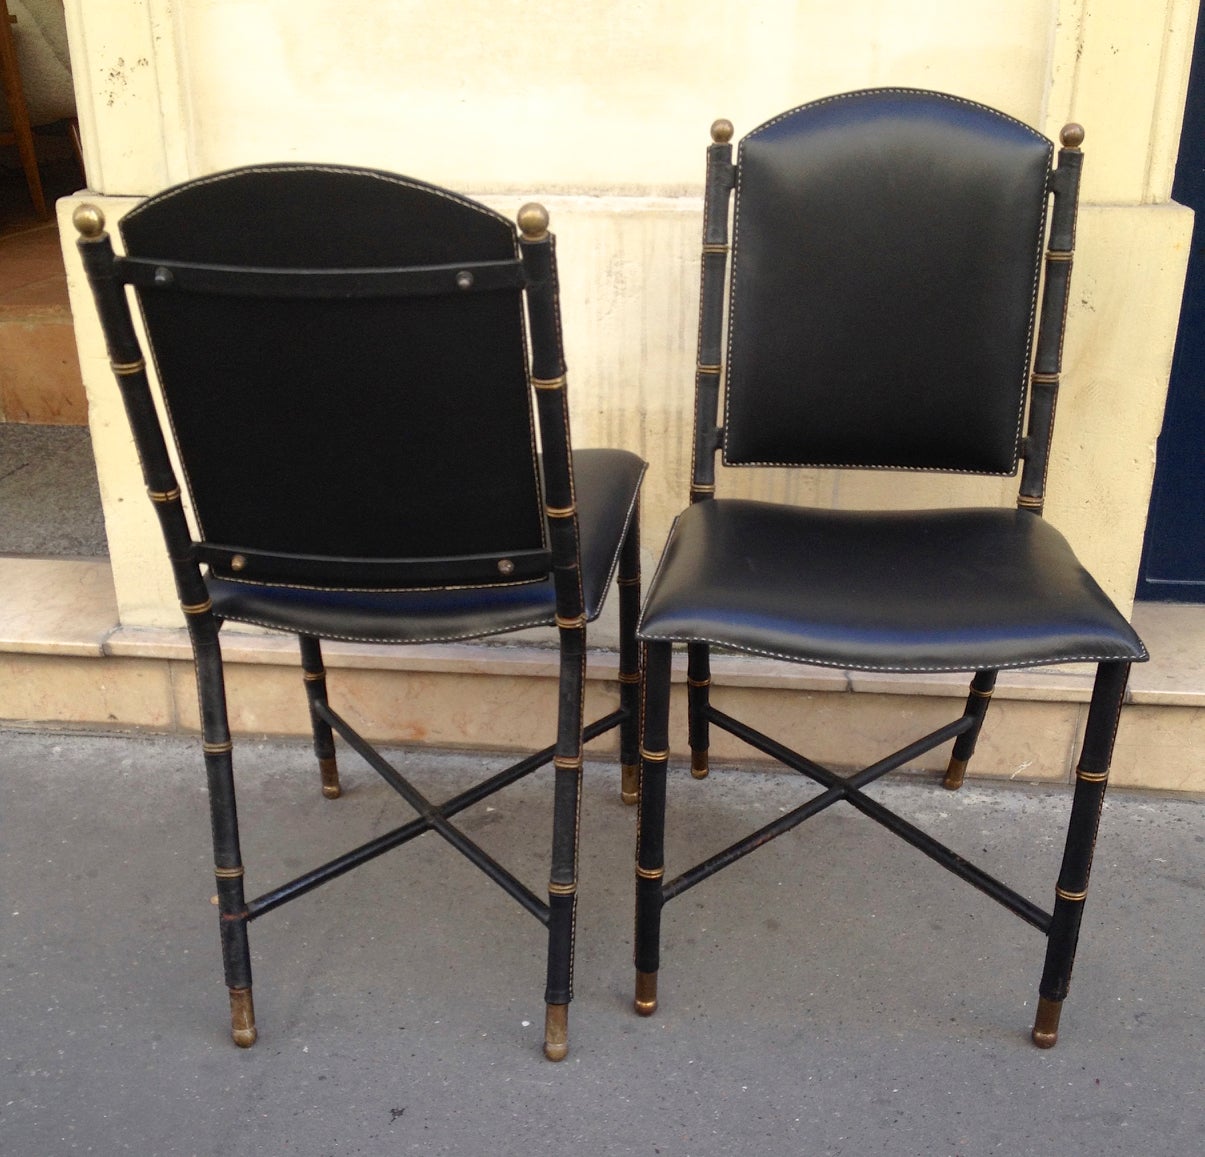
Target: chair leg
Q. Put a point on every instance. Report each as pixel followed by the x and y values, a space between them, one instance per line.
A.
pixel 566 823
pixel 324 739
pixel 1091 777
pixel 650 837
pixel 22 132
pixel 698 694
pixel 964 746
pixel 629 661
pixel 228 863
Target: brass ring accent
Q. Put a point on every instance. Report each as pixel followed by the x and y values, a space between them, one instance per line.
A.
pixel 164 495
pixel 1073 897
pixel 218 748
pixel 715 247
pixel 197 608
pixel 125 369
pixel 555 889
pixel 1044 379
pixel 698 682
pixel 704 369
pixel 650 873
pixel 548 383
pixel 1059 254
pixel 625 677
pixel 1091 776
pixel 567 762
pixel 980 694
pixel 560 511
pixel 654 756
pixel 314 676
pixel 1028 502
pixel 228 873
pixel 626 582
pixel 571 624
pixel 702 488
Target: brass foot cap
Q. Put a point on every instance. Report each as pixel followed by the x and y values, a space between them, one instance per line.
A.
pixel 646 993
pixel 698 764
pixel 244 1037
pixel 955 774
pixel 329 770
pixel 556 1032
pixel 242 1018
pixel 629 787
pixel 1046 1023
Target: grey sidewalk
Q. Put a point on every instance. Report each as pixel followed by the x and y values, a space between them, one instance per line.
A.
pixel 834 994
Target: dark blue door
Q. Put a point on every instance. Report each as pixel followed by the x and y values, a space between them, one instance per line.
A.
pixel 1173 560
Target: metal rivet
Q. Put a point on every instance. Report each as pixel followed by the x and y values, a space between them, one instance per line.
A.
pixel 238 562
pixel 464 280
pixel 505 566
pixel 163 276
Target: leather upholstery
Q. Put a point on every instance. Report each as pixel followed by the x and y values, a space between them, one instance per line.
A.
pixel 947 590
pixel 607 482
pixel 296 435
pixel 840 205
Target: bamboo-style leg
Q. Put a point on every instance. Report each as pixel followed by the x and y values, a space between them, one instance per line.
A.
pixel 228 863
pixel 698 694
pixel 1091 777
pixel 629 660
pixel 566 824
pixel 964 746
pixel 324 739
pixel 650 829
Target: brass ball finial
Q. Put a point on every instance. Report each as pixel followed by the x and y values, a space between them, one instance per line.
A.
pixel 1072 136
pixel 89 221
pixel 533 221
pixel 721 131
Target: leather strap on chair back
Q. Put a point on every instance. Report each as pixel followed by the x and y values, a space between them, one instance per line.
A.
pixel 343 361
pixel 886 257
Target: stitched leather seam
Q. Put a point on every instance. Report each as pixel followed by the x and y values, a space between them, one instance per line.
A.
pixel 892 89
pixel 971 665
pixel 352 170
pixel 1039 255
pixel 388 178
pixel 378 590
pixel 405 641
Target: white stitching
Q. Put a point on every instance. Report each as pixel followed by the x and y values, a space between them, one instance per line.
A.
pixel 644 636
pixel 403 641
pixel 972 665
pixel 1033 300
pixel 389 178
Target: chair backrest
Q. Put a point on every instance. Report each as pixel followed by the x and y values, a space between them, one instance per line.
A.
pixel 343 361
pixel 886 259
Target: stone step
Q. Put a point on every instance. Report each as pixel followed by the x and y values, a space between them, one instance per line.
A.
pixel 65 660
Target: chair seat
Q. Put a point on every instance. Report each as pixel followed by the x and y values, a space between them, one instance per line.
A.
pixel 607 483
pixel 950 590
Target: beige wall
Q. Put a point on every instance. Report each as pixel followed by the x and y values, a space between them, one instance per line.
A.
pixel 601 110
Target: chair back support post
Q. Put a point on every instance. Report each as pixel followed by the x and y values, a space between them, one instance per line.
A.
pixel 1048 358
pixel 129 370
pixel 707 435
pixel 548 379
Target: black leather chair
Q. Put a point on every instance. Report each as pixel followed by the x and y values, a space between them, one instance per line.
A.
pixel 343 360
pixel 887 256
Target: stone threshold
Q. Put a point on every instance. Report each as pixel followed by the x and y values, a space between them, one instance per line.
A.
pixel 65 659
